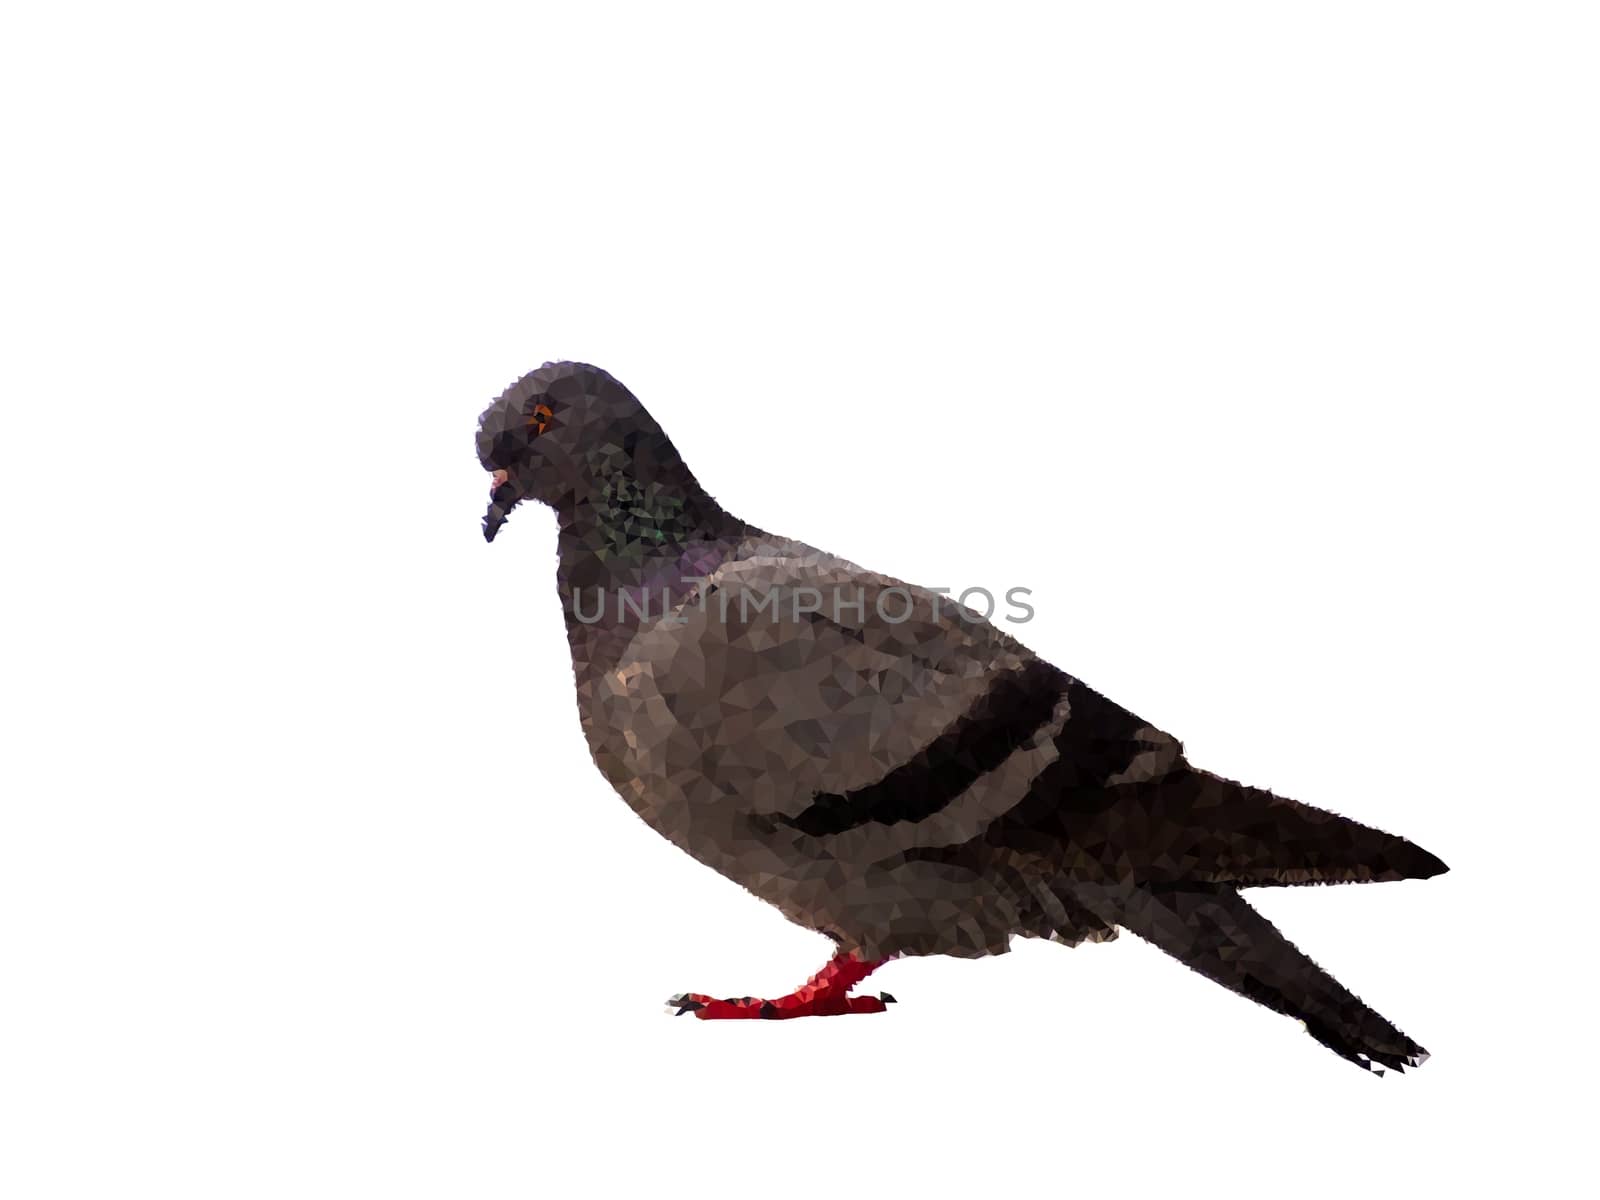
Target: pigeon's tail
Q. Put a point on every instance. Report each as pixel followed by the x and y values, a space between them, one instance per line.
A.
pixel 1215 932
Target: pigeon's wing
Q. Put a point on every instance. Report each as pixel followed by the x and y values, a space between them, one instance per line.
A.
pixel 823 697
pixel 873 718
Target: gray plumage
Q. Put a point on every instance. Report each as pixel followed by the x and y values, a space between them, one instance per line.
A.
pixel 883 766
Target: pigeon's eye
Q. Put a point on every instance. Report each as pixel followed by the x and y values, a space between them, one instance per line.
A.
pixel 540 420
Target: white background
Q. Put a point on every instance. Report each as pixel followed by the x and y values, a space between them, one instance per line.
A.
pixel 1258 339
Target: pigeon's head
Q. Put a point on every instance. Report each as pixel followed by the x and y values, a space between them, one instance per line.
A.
pixel 553 432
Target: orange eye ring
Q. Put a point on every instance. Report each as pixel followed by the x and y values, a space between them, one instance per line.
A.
pixel 540 421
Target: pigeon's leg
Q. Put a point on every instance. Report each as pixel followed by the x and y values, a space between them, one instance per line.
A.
pixel 825 994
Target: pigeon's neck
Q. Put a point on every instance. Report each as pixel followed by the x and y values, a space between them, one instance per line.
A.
pixel 631 549
pixel 625 526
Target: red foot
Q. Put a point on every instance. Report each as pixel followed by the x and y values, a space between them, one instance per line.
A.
pixel 825 994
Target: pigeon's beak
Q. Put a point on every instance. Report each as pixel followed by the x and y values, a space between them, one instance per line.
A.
pixel 502 499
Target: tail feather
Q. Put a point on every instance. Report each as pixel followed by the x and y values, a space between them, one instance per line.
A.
pixel 1262 838
pixel 1216 933
pixel 1219 831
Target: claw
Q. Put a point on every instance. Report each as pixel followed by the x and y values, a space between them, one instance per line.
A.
pixel 825 994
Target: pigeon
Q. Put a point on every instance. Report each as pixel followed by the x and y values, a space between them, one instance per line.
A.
pixel 885 766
